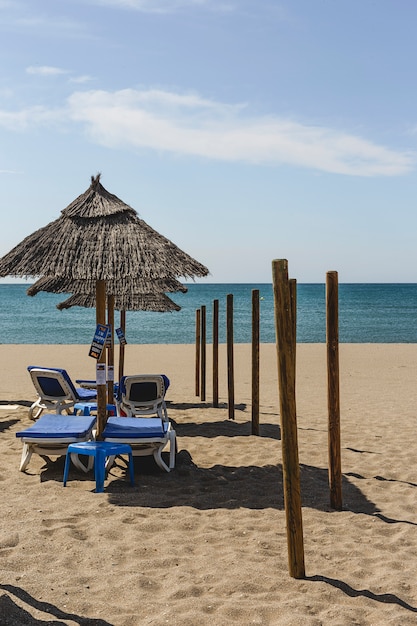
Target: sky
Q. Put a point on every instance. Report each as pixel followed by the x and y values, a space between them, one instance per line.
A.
pixel 242 130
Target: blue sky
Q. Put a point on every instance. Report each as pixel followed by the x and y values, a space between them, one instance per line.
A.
pixel 242 130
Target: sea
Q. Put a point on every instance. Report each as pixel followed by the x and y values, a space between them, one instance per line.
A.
pixel 368 313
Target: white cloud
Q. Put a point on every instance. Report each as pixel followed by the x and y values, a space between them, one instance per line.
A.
pixel 190 125
pixel 45 70
pixel 48 70
pixel 30 118
pixel 81 79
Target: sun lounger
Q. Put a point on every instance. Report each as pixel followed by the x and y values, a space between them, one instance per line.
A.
pixel 56 391
pixel 51 434
pixel 145 435
pixel 143 394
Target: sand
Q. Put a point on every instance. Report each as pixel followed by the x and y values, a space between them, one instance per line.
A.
pixel 206 543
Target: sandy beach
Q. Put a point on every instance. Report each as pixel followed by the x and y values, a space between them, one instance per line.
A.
pixel 206 543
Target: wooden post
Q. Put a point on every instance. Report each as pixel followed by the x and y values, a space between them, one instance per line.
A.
pixel 110 350
pixel 332 340
pixel 255 361
pixel 286 378
pixel 197 351
pixel 293 300
pixel 101 362
pixel 122 345
pixel 230 361
pixel 203 354
pixel 215 353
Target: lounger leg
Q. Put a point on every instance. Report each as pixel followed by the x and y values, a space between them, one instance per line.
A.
pixel 159 460
pixel 131 469
pixel 66 468
pixel 109 461
pixel 35 410
pixel 26 456
pixel 172 448
pixel 76 461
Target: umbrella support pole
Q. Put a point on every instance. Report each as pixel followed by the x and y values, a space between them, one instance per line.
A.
pixel 101 363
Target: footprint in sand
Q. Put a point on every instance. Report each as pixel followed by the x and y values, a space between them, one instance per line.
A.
pixel 70 525
pixel 9 540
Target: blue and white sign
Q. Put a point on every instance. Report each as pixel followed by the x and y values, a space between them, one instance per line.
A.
pixel 99 341
pixel 121 336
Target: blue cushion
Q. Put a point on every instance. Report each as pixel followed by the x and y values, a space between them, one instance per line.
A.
pixel 134 427
pixel 86 394
pixel 53 426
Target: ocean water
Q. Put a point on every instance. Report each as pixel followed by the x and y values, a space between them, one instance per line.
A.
pixel 368 313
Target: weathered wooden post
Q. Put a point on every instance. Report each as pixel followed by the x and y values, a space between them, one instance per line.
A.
pixel 293 299
pixel 197 350
pixel 101 361
pixel 110 350
pixel 215 353
pixel 230 360
pixel 122 344
pixel 286 378
pixel 255 361
pixel 203 354
pixel 333 396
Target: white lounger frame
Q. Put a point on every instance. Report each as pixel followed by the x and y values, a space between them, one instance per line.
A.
pixel 48 447
pixel 150 445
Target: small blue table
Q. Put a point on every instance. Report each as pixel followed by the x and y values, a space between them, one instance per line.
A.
pixel 100 450
pixel 87 407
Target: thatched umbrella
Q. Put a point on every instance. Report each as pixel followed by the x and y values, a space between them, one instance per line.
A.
pixel 157 302
pixel 98 237
pixel 122 287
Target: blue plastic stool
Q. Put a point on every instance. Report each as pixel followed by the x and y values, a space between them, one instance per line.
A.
pixel 87 407
pixel 100 450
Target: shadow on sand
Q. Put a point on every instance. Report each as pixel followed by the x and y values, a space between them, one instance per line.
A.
pixel 385 598
pixel 19 614
pixel 225 428
pixel 215 487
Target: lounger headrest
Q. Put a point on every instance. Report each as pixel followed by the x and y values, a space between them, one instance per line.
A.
pixel 51 386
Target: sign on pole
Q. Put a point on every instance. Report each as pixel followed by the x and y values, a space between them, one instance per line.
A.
pixel 99 341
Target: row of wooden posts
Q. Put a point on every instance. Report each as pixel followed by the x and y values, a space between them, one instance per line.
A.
pixel 285 305
pixel 201 353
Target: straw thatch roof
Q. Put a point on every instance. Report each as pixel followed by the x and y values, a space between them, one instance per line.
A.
pixel 99 237
pixel 146 302
pixel 120 287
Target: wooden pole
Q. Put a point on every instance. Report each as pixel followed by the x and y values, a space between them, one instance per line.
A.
pixel 110 350
pixel 197 350
pixel 122 345
pixel 290 464
pixel 333 396
pixel 293 300
pixel 255 361
pixel 230 360
pixel 215 353
pixel 203 354
pixel 101 362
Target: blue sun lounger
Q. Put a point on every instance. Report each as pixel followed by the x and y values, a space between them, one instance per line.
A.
pixel 142 395
pixel 56 391
pixel 51 435
pixel 145 435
